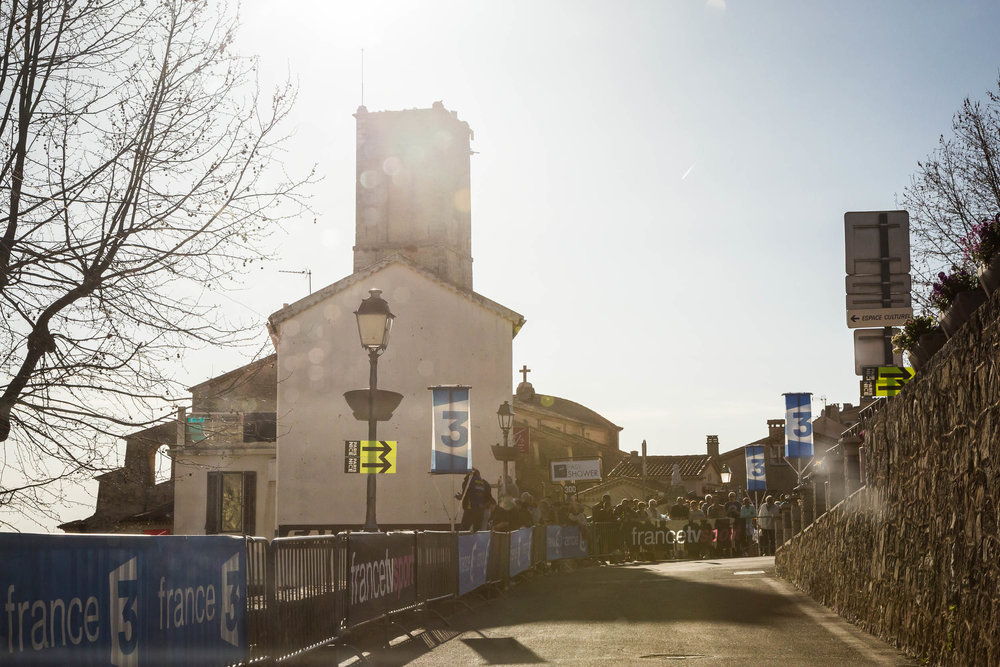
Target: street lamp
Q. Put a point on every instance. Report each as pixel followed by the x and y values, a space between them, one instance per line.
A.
pixel 374 323
pixel 726 475
pixel 505 415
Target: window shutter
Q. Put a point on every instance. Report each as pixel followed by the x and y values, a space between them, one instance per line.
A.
pixel 249 503
pixel 213 504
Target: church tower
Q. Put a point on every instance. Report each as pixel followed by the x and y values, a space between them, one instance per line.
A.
pixel 413 195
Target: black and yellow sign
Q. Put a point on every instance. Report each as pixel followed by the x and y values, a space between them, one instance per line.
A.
pixel 891 379
pixel 370 456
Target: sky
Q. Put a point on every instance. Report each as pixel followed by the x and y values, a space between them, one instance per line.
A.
pixel 658 187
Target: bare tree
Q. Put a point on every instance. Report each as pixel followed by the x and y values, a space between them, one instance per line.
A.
pixel 142 174
pixel 954 188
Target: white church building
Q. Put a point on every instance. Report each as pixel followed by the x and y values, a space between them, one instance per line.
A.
pixel 413 242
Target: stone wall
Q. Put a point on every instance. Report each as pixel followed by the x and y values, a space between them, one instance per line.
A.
pixel 914 557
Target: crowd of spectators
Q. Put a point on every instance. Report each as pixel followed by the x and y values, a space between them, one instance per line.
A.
pixel 726 526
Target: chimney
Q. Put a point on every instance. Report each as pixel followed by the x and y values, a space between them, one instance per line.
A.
pixel 713 446
pixel 776 429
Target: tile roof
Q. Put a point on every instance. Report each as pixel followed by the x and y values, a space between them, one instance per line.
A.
pixel 691 465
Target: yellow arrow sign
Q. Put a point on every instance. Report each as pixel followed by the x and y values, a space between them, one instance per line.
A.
pixel 891 379
pixel 378 456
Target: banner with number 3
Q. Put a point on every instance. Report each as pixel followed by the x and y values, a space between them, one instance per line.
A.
pixel 798 426
pixel 756 478
pixel 451 445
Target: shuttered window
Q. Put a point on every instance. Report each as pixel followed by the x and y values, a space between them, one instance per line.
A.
pixel 231 503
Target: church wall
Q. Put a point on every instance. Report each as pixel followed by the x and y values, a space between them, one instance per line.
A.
pixel 439 337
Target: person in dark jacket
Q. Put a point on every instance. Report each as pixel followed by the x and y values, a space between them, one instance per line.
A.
pixel 475 497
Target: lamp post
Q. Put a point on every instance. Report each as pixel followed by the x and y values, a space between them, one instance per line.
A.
pixel 505 415
pixel 726 475
pixel 374 323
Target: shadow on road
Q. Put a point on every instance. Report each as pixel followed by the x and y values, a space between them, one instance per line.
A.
pixel 610 594
pixel 502 651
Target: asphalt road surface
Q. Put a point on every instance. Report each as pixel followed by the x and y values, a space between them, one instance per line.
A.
pixel 715 612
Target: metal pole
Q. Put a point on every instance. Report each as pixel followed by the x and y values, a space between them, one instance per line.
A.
pixel 503 482
pixel 883 245
pixel 371 526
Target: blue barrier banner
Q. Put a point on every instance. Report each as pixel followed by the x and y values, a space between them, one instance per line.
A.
pixel 798 426
pixel 520 551
pixel 124 600
pixel 381 574
pixel 564 542
pixel 756 478
pixel 473 556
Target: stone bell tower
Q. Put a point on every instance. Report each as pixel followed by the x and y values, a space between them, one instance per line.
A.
pixel 413 195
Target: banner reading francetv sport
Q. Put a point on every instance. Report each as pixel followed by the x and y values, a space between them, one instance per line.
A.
pixel 678 531
pixel 451 444
pixel 381 575
pixel 564 542
pixel 122 600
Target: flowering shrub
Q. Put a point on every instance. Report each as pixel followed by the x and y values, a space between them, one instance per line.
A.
pixel 948 286
pixel 983 242
pixel 907 338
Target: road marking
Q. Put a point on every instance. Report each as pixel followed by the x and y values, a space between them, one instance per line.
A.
pixel 749 572
pixel 829 620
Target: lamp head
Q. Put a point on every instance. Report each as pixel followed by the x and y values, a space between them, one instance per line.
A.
pixel 374 321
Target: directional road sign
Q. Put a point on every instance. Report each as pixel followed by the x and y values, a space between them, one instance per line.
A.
pixel 878 317
pixel 370 456
pixel 891 380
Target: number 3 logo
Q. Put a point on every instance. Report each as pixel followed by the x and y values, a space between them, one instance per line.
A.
pixel 457 426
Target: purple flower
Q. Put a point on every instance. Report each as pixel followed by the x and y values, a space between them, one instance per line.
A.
pixel 948 286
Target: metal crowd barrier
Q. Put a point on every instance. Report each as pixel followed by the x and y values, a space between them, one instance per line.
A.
pixel 299 589
pixel 310 587
pixel 498 568
pixel 437 562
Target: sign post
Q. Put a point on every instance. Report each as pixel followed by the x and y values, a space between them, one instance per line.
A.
pixel 878 282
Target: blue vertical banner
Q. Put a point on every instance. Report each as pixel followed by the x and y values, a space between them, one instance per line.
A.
pixel 756 477
pixel 798 426
pixel 451 443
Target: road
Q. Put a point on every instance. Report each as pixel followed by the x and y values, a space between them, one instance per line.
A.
pixel 717 612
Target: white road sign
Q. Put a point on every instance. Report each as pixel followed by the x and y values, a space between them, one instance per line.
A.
pixel 869 349
pixel 863 241
pixel 878 317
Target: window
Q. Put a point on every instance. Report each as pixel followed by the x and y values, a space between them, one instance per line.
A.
pixel 260 427
pixel 231 503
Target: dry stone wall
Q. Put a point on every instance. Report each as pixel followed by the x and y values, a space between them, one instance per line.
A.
pixel 914 556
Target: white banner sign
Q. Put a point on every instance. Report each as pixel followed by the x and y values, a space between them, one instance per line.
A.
pixel 451 443
pixel 576 470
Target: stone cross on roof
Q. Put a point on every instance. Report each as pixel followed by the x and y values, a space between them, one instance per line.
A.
pixel 524 371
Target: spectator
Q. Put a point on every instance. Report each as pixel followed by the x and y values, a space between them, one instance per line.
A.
pixel 679 510
pixel 602 511
pixel 696 511
pixel 476 499
pixel 652 513
pixel 505 517
pixel 708 502
pixel 546 514
pixel 747 516
pixel 732 506
pixel 766 516
pixel 526 504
